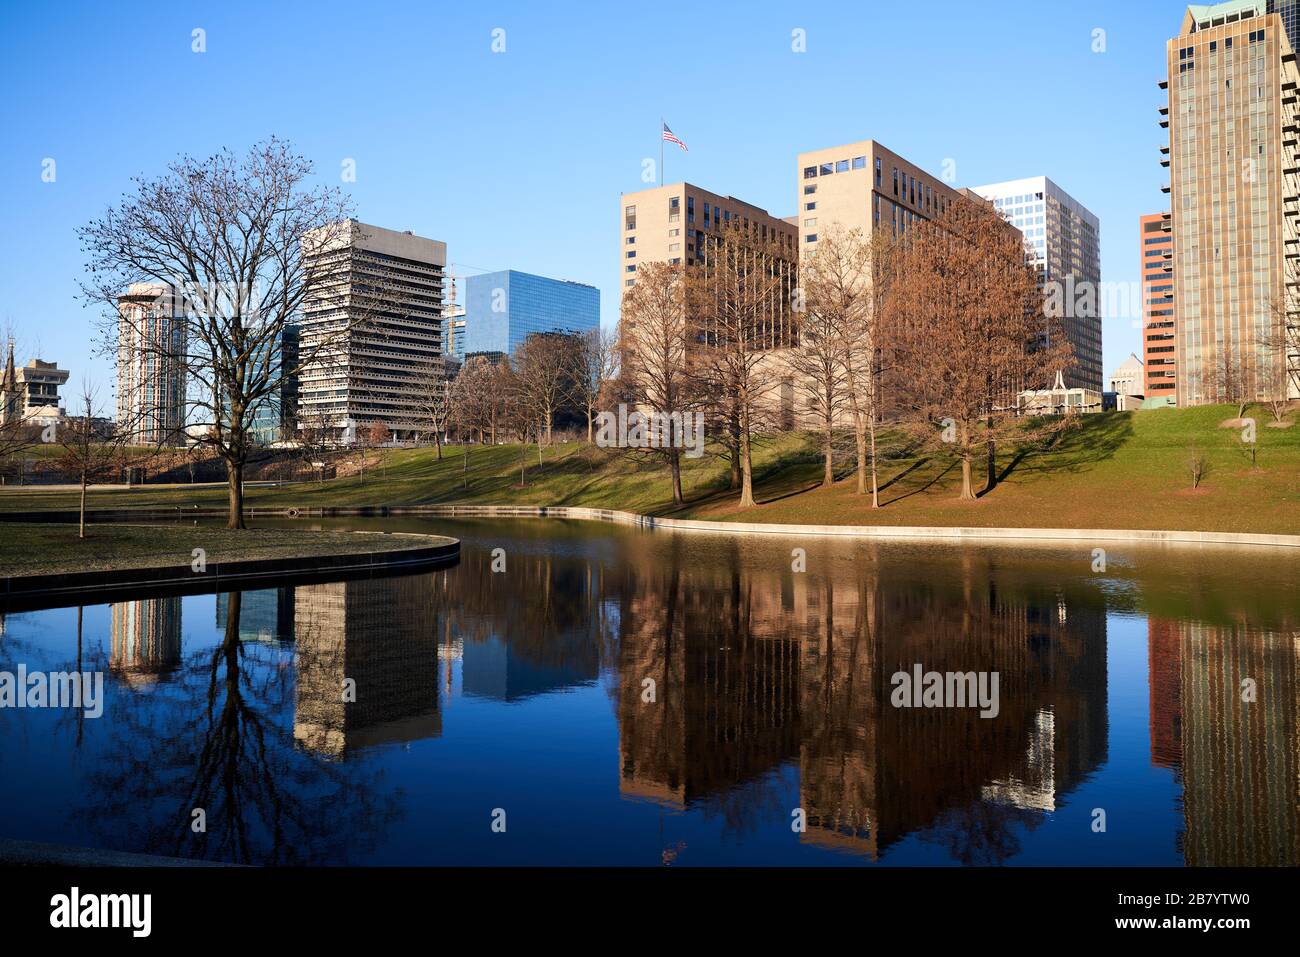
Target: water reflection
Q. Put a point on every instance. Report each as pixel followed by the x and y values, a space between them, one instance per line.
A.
pixel 736 691
pixel 1237 758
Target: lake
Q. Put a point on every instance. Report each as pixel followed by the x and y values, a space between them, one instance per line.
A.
pixel 576 693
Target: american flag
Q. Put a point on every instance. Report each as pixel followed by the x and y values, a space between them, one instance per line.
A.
pixel 671 137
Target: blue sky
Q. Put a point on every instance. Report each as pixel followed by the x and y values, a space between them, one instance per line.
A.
pixel 517 159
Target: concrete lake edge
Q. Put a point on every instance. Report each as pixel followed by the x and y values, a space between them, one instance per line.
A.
pixel 431 554
pixel 583 513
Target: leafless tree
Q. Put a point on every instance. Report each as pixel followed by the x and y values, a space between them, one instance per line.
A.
pixel 240 243
pixel 596 365
pixel 543 372
pixel 969 333
pixel 434 397
pixel 738 308
pixel 843 283
pixel 1232 379
pixel 656 357
pixel 90 450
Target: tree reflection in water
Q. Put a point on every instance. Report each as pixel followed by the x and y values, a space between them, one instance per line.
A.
pixel 209 739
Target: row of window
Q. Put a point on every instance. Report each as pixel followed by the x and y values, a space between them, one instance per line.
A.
pixel 839 166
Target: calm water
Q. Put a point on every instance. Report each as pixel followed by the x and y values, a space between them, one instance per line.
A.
pixel 627 697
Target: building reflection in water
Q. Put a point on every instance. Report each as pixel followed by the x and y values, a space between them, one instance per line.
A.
pixel 144 640
pixel 381 634
pixel 752 669
pixel 1238 760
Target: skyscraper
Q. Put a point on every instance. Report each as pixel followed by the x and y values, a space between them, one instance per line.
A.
pixel 503 308
pixel 150 368
pixel 1062 236
pixel 371 330
pixel 1156 250
pixel 1232 147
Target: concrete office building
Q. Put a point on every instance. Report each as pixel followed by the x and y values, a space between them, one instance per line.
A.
pixel 38 385
pixel 504 308
pixel 863 186
pixel 150 373
pixel 1232 121
pixel 1155 235
pixel 680 223
pixel 371 330
pixel 1062 239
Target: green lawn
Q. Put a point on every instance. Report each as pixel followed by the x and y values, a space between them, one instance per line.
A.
pixel 1112 471
pixel 29 549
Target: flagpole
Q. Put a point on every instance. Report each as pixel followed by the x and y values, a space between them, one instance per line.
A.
pixel 661 151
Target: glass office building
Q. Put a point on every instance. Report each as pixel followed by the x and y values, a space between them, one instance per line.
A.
pixel 504 308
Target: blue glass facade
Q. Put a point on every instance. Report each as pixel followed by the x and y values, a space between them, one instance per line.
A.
pixel 504 308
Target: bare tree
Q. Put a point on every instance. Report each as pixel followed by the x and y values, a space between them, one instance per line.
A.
pixel 1232 382
pixel 738 307
pixel 473 398
pixel 656 356
pixel 596 365
pixel 239 243
pixel 434 398
pixel 969 333
pixel 316 439
pixel 90 449
pixel 543 371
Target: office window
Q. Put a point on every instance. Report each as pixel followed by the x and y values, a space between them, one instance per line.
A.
pixel 842 166
pixel 809 172
pixel 810 238
pixel 631 254
pixel 809 190
pixel 859 162
pixel 877 172
pixel 809 207
pixel 631 268
pixel 810 222
pixel 827 169
pixel 895 180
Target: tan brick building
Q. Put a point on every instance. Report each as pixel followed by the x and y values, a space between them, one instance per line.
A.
pixel 1232 122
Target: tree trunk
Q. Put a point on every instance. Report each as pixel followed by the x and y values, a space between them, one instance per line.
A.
pixel 828 450
pixel 992 450
pixel 81 531
pixel 746 470
pixel 675 463
pixel 591 425
pixel 967 489
pixel 464 463
pixel 860 441
pixel 235 483
pixel 875 477
pixel 733 448
pixel 437 440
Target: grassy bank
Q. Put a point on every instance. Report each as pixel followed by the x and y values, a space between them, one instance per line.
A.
pixel 55 549
pixel 1112 471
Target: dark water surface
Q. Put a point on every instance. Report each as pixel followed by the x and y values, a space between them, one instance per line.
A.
pixel 628 697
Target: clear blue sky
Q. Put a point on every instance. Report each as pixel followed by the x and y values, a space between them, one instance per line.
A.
pixel 517 159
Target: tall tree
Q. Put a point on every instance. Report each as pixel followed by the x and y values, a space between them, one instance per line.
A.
pixel 738 304
pixel 543 366
pixel 595 367
pixel 238 241
pixel 653 337
pixel 433 399
pixel 969 332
